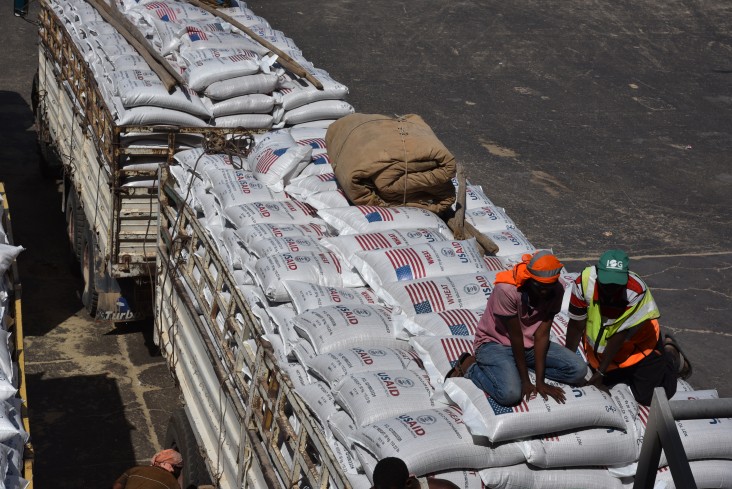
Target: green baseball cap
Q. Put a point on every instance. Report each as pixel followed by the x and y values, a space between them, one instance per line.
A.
pixel 612 268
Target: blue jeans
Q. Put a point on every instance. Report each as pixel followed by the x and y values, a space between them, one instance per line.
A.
pixel 496 373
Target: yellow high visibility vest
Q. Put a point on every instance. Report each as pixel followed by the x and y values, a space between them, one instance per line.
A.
pixel 597 332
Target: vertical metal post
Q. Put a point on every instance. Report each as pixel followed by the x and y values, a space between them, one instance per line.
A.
pixel 661 430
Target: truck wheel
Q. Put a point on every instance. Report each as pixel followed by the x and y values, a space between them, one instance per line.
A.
pixel 181 438
pixel 75 225
pixel 90 295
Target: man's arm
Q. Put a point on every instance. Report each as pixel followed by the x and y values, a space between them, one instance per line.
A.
pixel 614 343
pixel 575 330
pixel 541 347
pixel 515 334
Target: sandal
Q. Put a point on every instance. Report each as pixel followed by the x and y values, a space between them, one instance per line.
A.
pixel 457 370
pixel 685 370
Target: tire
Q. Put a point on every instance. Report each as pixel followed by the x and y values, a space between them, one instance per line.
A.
pixel 75 225
pixel 180 437
pixel 90 295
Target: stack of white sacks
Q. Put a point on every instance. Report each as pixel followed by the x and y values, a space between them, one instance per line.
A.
pixel 232 81
pixel 367 308
pixel 12 433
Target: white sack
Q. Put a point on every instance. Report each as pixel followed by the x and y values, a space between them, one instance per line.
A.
pixel 319 399
pixel 371 219
pixel 248 121
pixel 523 477
pixel 306 296
pixel 453 322
pixel 270 212
pixel 320 268
pixel 489 218
pixel 510 242
pixel 319 164
pixel 8 254
pixel 287 244
pixel 242 85
pixel 244 191
pixel 347 245
pixel 440 353
pixel 427 260
pixel 468 291
pixel 707 473
pixel 324 109
pixel 143 87
pixel 373 395
pixel 590 447
pixel 584 407
pixel 327 200
pixel 297 92
pixel 256 103
pixel 204 71
pixel 276 158
pixel 250 234
pixel 433 440
pixel 335 365
pixel 334 328
pixel 303 187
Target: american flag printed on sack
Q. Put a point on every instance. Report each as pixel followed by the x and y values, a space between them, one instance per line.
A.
pixel 493 263
pixel 163 11
pixel 425 297
pixel 306 208
pixel 374 213
pixel 269 158
pixel 643 412
pixel 315 143
pixel 521 407
pixel 454 347
pixel 372 241
pixel 321 159
pixel 407 264
pixel 460 321
pixel 551 438
pixel 196 34
pixel 327 177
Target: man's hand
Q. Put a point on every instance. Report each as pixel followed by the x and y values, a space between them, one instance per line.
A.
pixel 527 390
pixel 597 381
pixel 556 393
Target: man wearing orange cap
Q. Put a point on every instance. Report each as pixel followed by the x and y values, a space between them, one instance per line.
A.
pixel 513 336
pixel 162 473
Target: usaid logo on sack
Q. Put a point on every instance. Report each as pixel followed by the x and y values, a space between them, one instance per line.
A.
pixel 427 419
pixel 364 313
pixel 471 289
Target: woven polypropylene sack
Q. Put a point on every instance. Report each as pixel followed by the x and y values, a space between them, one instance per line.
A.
pixel 523 477
pixel 453 322
pixel 347 245
pixel 250 234
pixel 270 212
pixel 333 366
pixel 306 296
pixel 334 328
pixel 427 260
pixel 423 296
pixel 369 396
pixel 370 219
pixel 433 440
pixel 272 271
pixel 584 407
pixel 440 353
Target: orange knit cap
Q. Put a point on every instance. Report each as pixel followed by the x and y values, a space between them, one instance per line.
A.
pixel 542 266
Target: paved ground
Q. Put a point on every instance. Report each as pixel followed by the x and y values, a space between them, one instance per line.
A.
pixel 594 124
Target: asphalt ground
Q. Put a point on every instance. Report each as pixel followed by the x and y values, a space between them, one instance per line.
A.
pixel 596 125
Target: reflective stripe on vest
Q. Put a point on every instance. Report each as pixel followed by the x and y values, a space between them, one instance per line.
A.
pixel 637 346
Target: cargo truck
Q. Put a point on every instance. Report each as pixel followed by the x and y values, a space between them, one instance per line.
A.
pixel 108 173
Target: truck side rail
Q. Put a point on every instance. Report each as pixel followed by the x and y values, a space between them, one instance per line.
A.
pixel 278 429
pixel 18 354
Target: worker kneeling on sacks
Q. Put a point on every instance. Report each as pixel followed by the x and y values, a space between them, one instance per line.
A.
pixel 613 311
pixel 513 336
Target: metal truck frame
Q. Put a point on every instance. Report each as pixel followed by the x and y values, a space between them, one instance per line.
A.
pixel 112 227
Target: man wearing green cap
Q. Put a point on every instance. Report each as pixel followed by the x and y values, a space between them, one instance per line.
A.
pixel 613 311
